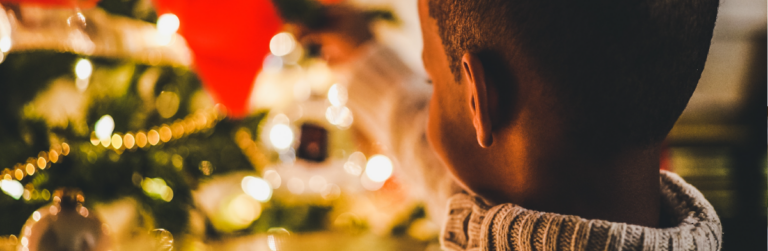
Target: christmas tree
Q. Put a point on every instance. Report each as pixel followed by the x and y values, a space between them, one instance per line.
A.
pixel 134 121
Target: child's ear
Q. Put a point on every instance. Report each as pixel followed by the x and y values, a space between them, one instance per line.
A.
pixel 477 85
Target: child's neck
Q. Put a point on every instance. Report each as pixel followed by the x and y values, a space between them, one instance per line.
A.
pixel 619 187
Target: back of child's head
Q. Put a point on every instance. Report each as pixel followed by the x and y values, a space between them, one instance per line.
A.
pixel 621 72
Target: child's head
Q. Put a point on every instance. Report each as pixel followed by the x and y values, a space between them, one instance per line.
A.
pixel 596 73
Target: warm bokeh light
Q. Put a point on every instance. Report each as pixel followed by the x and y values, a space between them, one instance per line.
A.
pixel 168 23
pixel 281 136
pixel 167 104
pixel 129 140
pixel 257 188
pixel 177 129
pixel 282 44
pixel 64 149
pixel 104 127
pixel 41 162
pixel 153 137
pixel 165 133
pixel 12 188
pixel 5 44
pixel 337 95
pixel 273 178
pixel 45 194
pixel 36 216
pixel 241 211
pixel 296 185
pixel 141 139
pixel 317 183
pixel 340 116
pixel 117 141
pixel 83 68
pixel 157 189
pixel 53 156
pixel 19 174
pixel 379 168
pixel 206 167
pixel 30 168
pixel 355 163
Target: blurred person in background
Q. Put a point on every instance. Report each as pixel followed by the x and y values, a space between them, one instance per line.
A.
pixel 549 119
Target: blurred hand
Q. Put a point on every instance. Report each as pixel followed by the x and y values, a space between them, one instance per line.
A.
pixel 345 29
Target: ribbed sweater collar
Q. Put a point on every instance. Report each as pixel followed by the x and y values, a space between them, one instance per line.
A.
pixel 473 225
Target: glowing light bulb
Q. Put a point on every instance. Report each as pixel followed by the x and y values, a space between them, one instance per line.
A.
pixel 5 44
pixel 257 188
pixel 104 127
pixel 117 141
pixel 282 44
pixel 281 136
pixel 83 68
pixel 379 168
pixel 273 178
pixel 337 95
pixel 168 24
pixel 12 188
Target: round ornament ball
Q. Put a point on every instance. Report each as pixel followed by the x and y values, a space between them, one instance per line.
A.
pixel 65 224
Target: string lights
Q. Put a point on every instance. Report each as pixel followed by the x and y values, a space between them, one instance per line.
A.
pixel 201 120
pixel 102 135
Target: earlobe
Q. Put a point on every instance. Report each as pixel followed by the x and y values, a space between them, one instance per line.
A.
pixel 478 100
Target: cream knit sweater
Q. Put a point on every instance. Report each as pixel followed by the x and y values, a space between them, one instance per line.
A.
pixel 472 225
pixel 389 103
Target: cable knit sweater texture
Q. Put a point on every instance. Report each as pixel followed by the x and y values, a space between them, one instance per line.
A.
pixel 389 103
pixel 472 225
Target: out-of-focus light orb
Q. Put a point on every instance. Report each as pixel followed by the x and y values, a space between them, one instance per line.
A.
pixel 276 237
pixel 12 188
pixel 337 95
pixel 65 149
pixel 296 185
pixel 36 216
pixel 168 24
pixel 30 169
pixel 157 188
pixel 167 104
pixel 339 116
pixel 379 168
pixel 281 136
pixel 53 156
pixel 141 139
pixel 355 163
pixel 282 44
pixel 41 162
pixel 165 133
pixel 281 119
pixel 257 188
pixel 129 141
pixel 104 127
pixel 19 174
pixel 83 68
pixel 117 141
pixel 5 44
pixel 153 137
pixel 273 178
pixel 241 211
pixel 317 183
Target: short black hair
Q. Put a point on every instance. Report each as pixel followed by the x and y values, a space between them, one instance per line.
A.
pixel 620 70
